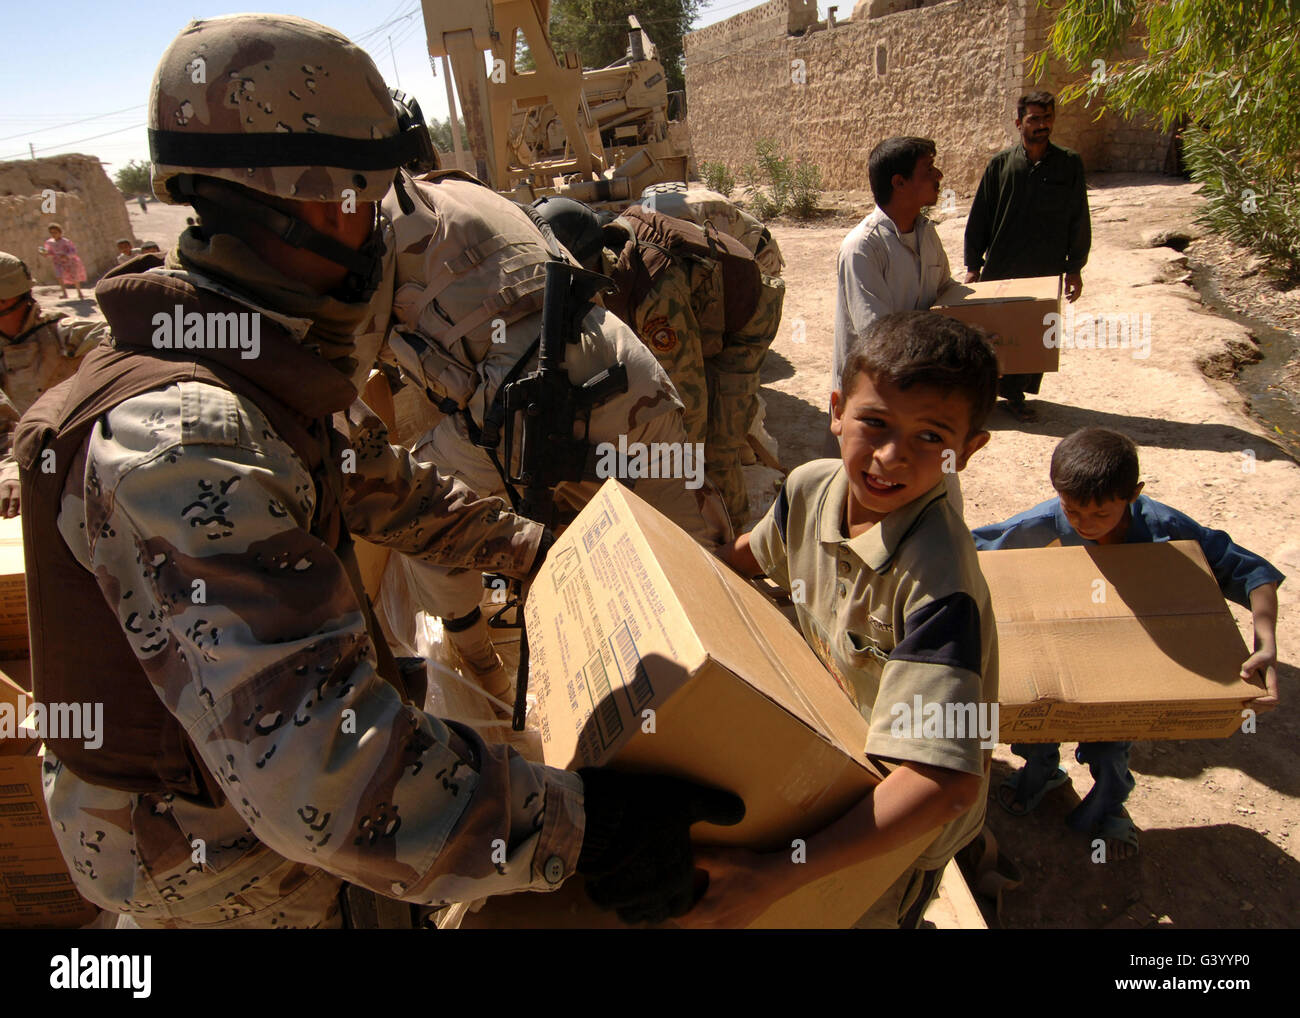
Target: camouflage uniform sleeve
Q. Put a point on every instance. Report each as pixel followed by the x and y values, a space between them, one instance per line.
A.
pixel 78 336
pixel 391 498
pixel 8 421
pixel 196 516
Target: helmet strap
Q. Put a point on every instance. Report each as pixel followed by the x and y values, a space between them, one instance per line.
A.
pixel 365 266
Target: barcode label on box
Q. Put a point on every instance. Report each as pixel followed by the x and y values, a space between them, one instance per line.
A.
pixel 635 679
pixel 604 708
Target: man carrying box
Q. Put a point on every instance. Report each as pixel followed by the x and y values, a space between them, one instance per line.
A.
pixel 1030 218
pixel 893 260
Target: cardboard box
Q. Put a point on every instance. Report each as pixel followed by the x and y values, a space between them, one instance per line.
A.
pixel 1013 311
pixel 13 591
pixel 630 616
pixel 1121 642
pixel 36 891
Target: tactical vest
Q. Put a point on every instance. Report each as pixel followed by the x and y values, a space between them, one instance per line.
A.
pixel 470 262
pixel 658 240
pixel 82 656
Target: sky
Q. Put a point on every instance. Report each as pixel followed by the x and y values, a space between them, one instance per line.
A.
pixel 75 78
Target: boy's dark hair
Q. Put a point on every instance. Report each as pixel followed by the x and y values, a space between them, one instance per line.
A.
pixel 923 348
pixel 1095 465
pixel 895 155
pixel 1044 99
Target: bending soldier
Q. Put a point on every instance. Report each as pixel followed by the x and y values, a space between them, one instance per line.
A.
pixel 700 303
pixel 467 313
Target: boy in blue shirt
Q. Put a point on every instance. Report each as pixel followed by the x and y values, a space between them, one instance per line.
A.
pixel 1100 501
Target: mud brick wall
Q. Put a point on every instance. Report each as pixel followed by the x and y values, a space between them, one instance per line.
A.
pixel 86 204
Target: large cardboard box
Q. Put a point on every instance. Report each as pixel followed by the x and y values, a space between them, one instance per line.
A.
pixel 36 891
pixel 650 655
pixel 13 591
pixel 1014 312
pixel 1121 642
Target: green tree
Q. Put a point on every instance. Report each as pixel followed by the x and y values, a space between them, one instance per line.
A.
pixel 1226 69
pixel 598 29
pixel 134 178
pixel 440 132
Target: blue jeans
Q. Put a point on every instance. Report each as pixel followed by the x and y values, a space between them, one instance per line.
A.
pixel 1108 762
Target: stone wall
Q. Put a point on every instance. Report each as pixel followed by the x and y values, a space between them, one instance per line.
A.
pixel 951 71
pixel 1110 143
pixel 85 203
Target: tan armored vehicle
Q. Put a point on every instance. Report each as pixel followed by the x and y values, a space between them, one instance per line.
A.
pixel 597 135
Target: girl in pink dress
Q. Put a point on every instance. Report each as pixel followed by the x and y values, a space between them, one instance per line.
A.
pixel 67 263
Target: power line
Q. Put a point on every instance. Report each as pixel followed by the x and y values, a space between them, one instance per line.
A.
pixel 383 26
pixel 133 127
pixel 72 123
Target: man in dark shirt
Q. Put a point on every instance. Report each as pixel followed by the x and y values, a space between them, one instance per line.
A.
pixel 1030 218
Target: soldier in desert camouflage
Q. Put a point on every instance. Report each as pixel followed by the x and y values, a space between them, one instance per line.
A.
pixel 700 303
pixel 467 315
pixel 38 350
pixel 260 745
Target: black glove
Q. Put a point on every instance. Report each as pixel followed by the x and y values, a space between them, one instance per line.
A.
pixel 636 854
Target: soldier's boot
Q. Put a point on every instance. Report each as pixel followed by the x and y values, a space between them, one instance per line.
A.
pixel 731 408
pixel 469 636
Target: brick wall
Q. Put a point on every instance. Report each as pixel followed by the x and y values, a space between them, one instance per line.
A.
pixel 952 71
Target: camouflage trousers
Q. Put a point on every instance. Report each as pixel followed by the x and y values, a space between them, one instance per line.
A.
pixel 715 372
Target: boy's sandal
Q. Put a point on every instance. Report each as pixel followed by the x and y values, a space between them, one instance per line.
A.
pixel 1021 803
pixel 1119 827
pixel 991 873
pixel 1022 411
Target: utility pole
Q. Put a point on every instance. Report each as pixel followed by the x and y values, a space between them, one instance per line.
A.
pixel 394 56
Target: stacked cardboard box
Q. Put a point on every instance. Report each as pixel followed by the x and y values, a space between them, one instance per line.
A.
pixel 36 891
pixel 13 591
pixel 650 655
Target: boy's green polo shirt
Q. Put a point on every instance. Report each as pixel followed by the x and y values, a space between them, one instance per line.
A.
pixel 898 612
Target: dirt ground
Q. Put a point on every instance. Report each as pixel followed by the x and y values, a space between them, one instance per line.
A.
pixel 1216 816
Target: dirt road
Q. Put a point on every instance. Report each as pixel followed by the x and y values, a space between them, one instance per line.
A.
pixel 1216 816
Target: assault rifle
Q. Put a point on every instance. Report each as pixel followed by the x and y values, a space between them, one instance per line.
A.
pixel 556 417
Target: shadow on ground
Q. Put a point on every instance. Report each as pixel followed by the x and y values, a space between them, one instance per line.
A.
pixel 1060 420
pixel 1210 877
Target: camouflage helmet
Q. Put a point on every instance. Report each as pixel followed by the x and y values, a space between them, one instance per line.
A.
pixel 278 104
pixel 15 278
pixel 575 225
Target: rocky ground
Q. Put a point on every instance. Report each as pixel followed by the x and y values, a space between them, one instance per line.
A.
pixel 1217 816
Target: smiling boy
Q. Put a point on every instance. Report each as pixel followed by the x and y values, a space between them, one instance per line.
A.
pixel 895 607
